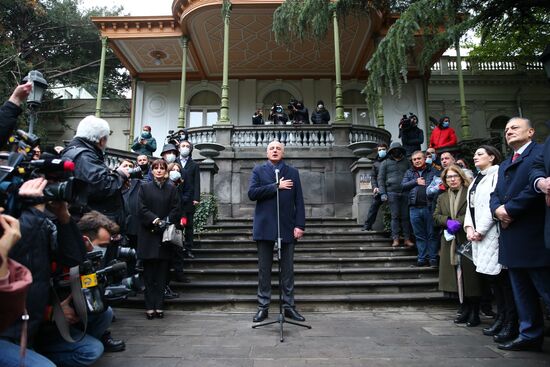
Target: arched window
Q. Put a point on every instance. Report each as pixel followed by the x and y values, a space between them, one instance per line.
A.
pixel 204 109
pixel 280 96
pixel 355 108
pixel 496 131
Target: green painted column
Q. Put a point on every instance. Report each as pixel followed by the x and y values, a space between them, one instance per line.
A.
pixel 380 114
pixel 181 116
pixel 101 75
pixel 339 98
pixel 224 108
pixel 464 119
pixel 132 114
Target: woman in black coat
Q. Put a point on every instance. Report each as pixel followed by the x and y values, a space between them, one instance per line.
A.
pixel 158 204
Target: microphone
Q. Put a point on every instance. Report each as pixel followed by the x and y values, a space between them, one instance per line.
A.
pixel 54 164
pixel 277 176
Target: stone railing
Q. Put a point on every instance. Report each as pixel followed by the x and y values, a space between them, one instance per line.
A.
pixel 289 135
pixel 447 65
pixel 306 136
pixel 114 156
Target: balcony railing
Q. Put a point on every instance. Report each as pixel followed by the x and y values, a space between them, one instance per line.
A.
pixel 447 65
pixel 306 136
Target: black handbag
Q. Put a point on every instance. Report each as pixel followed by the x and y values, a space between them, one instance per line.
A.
pixel 172 236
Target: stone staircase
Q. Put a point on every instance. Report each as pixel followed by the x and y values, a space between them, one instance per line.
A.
pixel 337 266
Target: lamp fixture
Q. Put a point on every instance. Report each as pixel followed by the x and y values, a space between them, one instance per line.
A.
pixel 157 56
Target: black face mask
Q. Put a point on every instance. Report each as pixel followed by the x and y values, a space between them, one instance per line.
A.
pixel 397 154
pixel 144 167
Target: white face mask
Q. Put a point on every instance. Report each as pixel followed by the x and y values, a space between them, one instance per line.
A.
pixel 175 175
pixel 185 151
pixel 320 106
pixel 170 158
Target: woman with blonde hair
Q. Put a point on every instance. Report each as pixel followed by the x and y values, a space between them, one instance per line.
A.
pixel 449 214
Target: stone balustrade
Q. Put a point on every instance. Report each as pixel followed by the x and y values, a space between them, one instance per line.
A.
pixel 447 65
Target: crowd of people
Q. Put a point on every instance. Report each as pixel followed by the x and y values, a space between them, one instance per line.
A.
pixel 295 113
pixel 47 323
pixel 484 232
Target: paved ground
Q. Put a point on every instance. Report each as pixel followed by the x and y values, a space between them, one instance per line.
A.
pixel 378 337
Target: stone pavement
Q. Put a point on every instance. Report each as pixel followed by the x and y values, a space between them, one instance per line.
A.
pixel 381 336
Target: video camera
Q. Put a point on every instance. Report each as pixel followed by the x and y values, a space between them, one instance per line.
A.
pixel 17 167
pixel 408 121
pixel 277 108
pixel 176 137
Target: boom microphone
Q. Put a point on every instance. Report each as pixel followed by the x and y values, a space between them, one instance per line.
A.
pixel 54 164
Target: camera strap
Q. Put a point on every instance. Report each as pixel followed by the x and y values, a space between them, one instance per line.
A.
pixel 79 305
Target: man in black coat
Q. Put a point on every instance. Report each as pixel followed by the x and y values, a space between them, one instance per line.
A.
pixel 11 110
pixel 320 115
pixel 104 188
pixel 191 169
pixel 539 177
pixel 376 201
pixel 263 189
pixel 410 134
pixel 520 212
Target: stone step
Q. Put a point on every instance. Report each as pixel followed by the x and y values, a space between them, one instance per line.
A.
pixel 313 234
pixel 359 273
pixel 332 227
pixel 206 243
pixel 309 220
pixel 340 251
pixel 313 287
pixel 305 303
pixel 306 262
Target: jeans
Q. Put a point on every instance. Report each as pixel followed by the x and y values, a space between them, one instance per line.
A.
pixel 9 356
pixel 423 228
pixel 399 208
pixel 373 211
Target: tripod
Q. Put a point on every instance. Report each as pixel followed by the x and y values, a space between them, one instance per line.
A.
pixel 281 317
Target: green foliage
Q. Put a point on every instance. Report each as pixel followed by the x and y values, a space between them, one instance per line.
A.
pixel 58 39
pixel 205 210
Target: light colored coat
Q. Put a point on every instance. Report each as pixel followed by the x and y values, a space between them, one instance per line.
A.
pixel 485 252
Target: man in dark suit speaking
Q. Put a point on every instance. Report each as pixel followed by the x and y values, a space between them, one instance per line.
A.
pixel 263 189
pixel 520 211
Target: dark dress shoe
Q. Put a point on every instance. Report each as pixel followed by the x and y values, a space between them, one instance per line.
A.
pixel 462 318
pixel 519 344
pixel 291 313
pixel 169 294
pixel 150 315
pixel 495 328
pixel 110 344
pixel 159 314
pixel 188 254
pixel 508 332
pixel 366 228
pixel 261 315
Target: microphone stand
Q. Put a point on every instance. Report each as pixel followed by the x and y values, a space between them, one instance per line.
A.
pixel 281 318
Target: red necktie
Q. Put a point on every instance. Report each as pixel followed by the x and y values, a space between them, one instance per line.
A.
pixel 516 155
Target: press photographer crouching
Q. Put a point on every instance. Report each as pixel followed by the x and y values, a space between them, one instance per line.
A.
pixel 47 243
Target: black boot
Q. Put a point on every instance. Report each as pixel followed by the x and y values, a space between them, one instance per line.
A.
pixel 508 332
pixel 495 328
pixel 474 320
pixel 465 315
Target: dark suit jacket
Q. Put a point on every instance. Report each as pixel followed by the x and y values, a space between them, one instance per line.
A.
pixel 8 119
pixel 263 190
pixel 192 171
pixel 521 245
pixel 541 169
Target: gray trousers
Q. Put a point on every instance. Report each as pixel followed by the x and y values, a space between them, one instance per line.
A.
pixel 265 262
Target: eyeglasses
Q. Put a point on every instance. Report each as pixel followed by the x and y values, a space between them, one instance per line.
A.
pixel 452 177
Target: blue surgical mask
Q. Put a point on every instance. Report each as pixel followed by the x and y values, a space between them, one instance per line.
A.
pixel 445 124
pixel 382 153
pixel 170 158
pixel 146 134
pixel 184 152
pixel 429 161
pixel 434 156
pixel 175 175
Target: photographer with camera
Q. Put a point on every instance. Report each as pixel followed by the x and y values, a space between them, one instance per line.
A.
pixel 320 115
pixel 258 117
pixel 11 110
pixel 277 114
pixel 410 134
pixel 298 113
pixel 104 188
pixel 145 143
pixel 42 243
pixel 159 205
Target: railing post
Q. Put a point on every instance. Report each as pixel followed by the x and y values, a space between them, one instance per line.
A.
pixel 380 114
pixel 224 108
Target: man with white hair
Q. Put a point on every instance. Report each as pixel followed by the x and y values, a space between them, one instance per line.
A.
pixel 87 150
